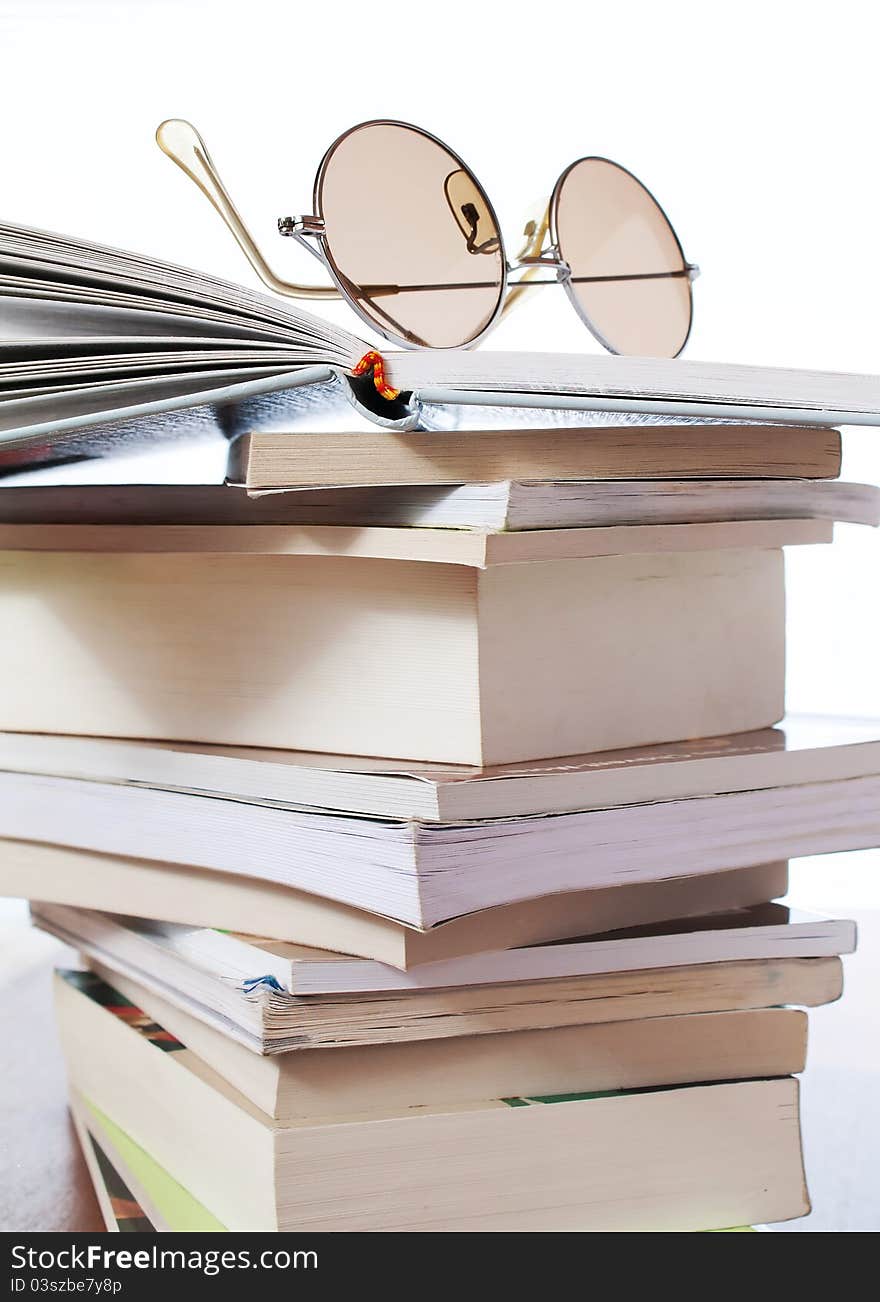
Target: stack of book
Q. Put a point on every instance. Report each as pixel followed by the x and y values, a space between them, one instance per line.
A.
pixel 418 803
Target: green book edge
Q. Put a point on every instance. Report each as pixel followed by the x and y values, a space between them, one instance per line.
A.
pixel 182 1213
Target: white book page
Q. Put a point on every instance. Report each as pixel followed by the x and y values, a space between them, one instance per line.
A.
pixel 719 387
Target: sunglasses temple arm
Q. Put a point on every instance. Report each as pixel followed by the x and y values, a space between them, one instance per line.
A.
pixel 183 144
pixel 535 232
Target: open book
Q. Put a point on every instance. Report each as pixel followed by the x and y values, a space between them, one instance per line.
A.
pixel 97 344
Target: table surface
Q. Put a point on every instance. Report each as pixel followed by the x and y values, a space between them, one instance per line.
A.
pixel 45 1186
pixel 44 1181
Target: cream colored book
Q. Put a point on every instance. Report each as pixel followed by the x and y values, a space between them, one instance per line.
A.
pixel 399 658
pixel 663 451
pixel 502 506
pixel 179 893
pixel 477 549
pixel 523 505
pixel 801 749
pixel 136 1194
pixel 677 1050
pixel 268 1020
pixel 696 1157
pixel 425 873
pixel 253 963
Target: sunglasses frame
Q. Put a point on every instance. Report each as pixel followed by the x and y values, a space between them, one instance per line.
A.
pixel 690 270
pixel 313 226
pixel 182 143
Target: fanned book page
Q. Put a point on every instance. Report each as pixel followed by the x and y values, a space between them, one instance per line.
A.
pixel 92 339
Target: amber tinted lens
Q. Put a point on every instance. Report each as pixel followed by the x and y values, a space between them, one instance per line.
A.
pixel 411 235
pixel 608 225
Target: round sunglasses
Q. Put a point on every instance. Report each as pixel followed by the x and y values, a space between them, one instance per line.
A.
pixel 411 242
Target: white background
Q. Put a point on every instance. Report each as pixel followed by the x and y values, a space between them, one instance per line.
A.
pixel 756 125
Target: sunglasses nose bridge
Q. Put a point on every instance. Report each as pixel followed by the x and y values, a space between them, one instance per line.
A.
pixel 534 255
pixel 550 258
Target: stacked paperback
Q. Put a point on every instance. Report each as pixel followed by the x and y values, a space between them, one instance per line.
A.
pixel 420 803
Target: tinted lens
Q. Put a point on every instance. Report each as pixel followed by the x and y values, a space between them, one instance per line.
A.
pixel 411 235
pixel 608 225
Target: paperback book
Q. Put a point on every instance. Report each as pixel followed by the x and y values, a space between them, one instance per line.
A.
pixel 545 1163
pixel 269 1020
